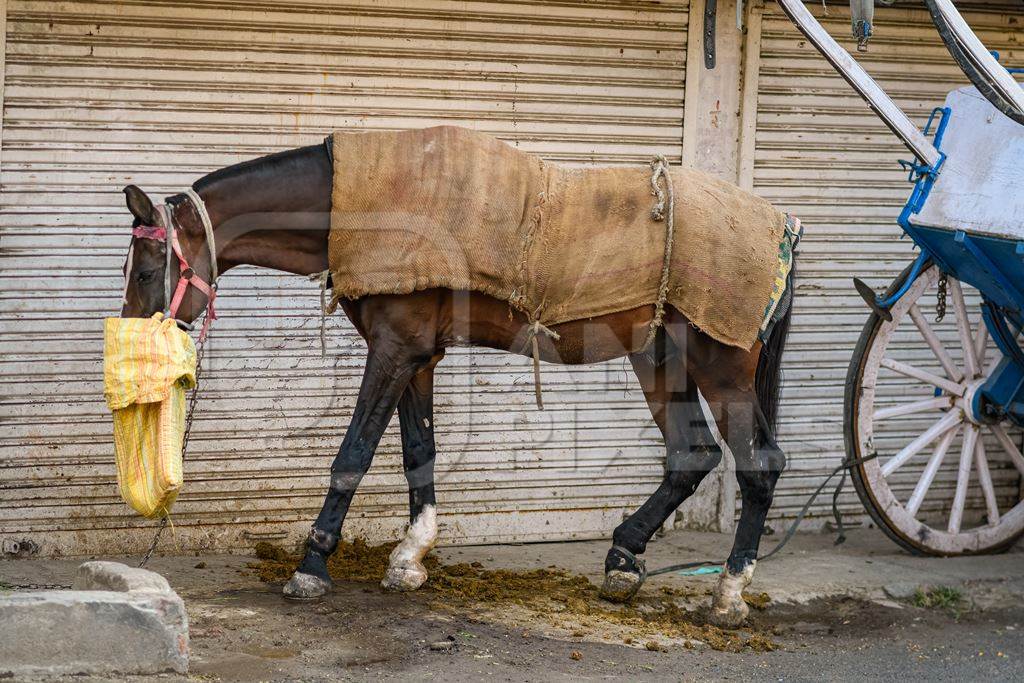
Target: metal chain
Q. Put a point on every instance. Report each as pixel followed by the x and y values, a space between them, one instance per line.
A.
pixel 152 545
pixel 4 585
pixel 940 299
pixel 193 399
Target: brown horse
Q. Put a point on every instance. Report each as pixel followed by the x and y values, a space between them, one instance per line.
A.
pixel 275 212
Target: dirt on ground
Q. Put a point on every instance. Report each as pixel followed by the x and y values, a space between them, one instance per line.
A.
pixel 861 611
pixel 552 596
pixel 548 624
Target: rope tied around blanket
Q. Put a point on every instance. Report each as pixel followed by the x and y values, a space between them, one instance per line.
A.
pixel 661 212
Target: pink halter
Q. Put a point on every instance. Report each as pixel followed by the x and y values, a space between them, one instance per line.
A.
pixel 188 275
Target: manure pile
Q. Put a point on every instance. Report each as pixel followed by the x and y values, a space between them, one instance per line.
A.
pixel 562 599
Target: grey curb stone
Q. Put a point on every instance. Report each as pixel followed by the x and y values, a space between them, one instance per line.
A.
pixel 139 627
pixel 114 576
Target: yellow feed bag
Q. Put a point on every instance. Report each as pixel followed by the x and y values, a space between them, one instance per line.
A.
pixel 148 364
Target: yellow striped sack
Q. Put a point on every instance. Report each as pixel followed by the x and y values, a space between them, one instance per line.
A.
pixel 148 364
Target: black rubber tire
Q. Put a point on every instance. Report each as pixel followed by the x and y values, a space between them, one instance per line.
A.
pixel 857 474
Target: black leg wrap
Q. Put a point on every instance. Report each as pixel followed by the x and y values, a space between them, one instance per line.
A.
pixel 315 564
pixel 319 546
pixel 324 542
pixel 621 559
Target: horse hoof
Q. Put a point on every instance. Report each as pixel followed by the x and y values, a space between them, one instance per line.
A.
pixel 729 614
pixel 407 577
pixel 728 609
pixel 305 587
pixel 620 586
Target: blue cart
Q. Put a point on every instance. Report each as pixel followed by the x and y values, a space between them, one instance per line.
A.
pixel 940 402
pixel 935 390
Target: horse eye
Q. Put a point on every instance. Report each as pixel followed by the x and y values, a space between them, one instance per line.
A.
pixel 145 276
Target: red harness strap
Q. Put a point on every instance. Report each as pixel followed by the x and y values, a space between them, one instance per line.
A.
pixel 150 232
pixel 188 276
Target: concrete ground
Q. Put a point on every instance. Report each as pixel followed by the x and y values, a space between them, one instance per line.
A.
pixel 834 613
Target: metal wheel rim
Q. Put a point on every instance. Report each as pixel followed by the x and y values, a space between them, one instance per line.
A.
pixel 902 520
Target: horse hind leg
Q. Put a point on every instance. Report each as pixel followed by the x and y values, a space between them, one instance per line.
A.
pixel 415 413
pixel 691 452
pixel 759 463
pixel 728 385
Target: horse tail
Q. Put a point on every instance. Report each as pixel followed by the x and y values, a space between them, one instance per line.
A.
pixel 768 376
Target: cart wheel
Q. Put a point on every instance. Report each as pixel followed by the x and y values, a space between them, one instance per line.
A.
pixel 944 482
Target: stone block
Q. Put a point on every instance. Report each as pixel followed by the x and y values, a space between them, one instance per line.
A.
pixel 140 627
pixel 114 576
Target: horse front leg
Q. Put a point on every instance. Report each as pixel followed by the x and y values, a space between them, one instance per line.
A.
pixel 390 365
pixel 416 417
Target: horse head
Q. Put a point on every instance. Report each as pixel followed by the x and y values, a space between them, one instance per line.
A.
pixel 169 266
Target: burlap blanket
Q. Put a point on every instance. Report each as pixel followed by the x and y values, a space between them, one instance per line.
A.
pixel 452 208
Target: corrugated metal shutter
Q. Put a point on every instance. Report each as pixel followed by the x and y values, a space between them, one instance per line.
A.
pixel 100 94
pixel 824 156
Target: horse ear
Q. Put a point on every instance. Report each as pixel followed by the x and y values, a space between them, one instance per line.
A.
pixel 140 205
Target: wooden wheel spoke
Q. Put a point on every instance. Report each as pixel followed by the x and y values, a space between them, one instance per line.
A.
pixel 911 408
pixel 923 376
pixel 963 326
pixel 948 421
pixel 930 470
pixel 985 479
pixel 963 479
pixel 935 344
pixel 981 343
pixel 1011 448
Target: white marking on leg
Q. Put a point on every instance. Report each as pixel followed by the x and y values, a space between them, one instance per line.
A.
pixel 405 566
pixel 727 606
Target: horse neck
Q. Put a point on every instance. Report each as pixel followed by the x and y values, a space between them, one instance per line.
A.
pixel 272 212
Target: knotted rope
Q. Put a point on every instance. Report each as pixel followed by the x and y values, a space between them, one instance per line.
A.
pixel 659 172
pixel 536 327
pixel 322 278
